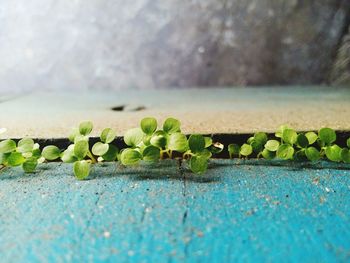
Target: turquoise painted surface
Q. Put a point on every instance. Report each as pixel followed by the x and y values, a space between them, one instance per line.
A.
pixel 240 211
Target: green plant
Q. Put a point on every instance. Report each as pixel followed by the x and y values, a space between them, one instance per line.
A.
pixel 149 144
pixel 79 152
pixel 25 153
pixel 290 145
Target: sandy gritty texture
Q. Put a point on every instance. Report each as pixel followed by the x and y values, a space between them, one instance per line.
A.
pixel 223 110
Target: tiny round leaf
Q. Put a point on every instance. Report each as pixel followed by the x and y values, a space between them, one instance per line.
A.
pixel 25 145
pixel 171 126
pixel 149 125
pixel 81 149
pixel 108 135
pixel 246 150
pixel 51 153
pixel 178 142
pixel 133 137
pixel 333 153
pixel 151 153
pixel 302 141
pixel 7 146
pixel 81 169
pixel 130 157
pixel 196 142
pixel 199 164
pixel 327 135
pixel 100 148
pixel 272 145
pixel 85 128
pixel 311 137
pixel 312 154
pixel 285 152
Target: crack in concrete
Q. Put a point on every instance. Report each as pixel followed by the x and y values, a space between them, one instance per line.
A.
pixel 185 213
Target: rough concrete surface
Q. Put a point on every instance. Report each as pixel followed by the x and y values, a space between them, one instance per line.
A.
pixel 110 45
pixel 240 211
pixel 240 110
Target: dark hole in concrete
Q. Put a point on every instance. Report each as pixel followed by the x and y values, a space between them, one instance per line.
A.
pixel 128 108
pixel 138 108
pixel 118 108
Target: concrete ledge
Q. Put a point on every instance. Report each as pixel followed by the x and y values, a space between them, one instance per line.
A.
pixel 222 110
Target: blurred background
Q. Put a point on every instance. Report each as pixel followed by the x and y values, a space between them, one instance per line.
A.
pixel 143 44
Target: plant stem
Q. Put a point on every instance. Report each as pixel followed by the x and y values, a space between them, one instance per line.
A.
pixel 91 157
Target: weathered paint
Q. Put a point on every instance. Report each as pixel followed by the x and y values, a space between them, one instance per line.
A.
pixel 247 211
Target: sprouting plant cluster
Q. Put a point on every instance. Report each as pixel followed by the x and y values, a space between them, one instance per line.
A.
pixel 290 145
pixel 146 144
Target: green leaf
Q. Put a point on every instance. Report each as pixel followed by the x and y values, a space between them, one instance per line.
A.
pixel 205 153
pixel 108 135
pixel 257 146
pixel 159 139
pixel 171 126
pixel 85 128
pixel 15 159
pixel 289 136
pixel 80 137
pixel 36 153
pixel 268 155
pixel 81 169
pixel 151 153
pixel 51 153
pixel 233 149
pixel 30 164
pixel 345 155
pixel 68 155
pixel 199 164
pixel 348 142
pixel 285 152
pixel 327 135
pixel 73 134
pixel 302 141
pixel 311 137
pixel 100 148
pixel 4 157
pixel 7 146
pixel 258 141
pixel 196 142
pixel 81 149
pixel 130 157
pixel 133 137
pixel 25 145
pixel 333 153
pixel 312 154
pixel 208 141
pixel 216 148
pixel 147 140
pixel 261 138
pixel 280 130
pixel 178 142
pixel 246 150
pixel 111 154
pixel 250 140
pixel 149 125
pixel 272 145
pixel 320 143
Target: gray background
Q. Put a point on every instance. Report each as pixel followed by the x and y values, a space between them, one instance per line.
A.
pixel 139 44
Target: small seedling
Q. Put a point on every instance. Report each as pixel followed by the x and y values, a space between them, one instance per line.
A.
pixel 149 144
